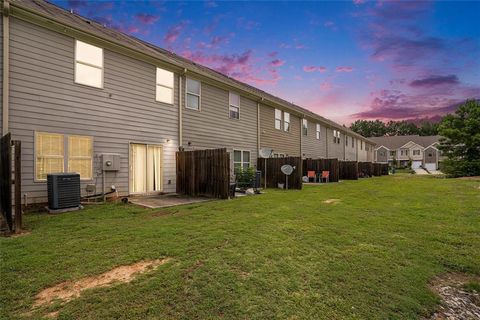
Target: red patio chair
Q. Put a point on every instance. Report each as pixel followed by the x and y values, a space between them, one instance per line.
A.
pixel 326 176
pixel 312 174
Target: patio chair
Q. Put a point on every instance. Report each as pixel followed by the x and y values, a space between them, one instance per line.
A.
pixel 312 174
pixel 325 176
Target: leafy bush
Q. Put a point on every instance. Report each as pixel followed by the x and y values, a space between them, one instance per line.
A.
pixel 245 177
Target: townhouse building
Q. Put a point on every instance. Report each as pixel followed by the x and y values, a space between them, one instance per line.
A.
pixel 74 90
pixel 421 151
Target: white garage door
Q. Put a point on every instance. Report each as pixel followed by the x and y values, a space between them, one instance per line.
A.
pixel 431 166
pixel 416 164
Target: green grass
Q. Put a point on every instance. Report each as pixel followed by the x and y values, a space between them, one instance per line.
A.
pixel 473 287
pixel 283 254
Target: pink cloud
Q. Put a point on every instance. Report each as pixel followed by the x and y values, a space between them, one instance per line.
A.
pixel 324 86
pixel 357 2
pixel 215 42
pixel 314 68
pixel 343 69
pixel 146 18
pixel 277 63
pixel 174 32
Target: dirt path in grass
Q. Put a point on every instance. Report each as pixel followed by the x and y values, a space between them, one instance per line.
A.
pixel 458 303
pixel 69 290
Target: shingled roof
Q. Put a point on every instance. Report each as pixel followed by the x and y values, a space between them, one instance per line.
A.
pixel 395 142
pixel 78 22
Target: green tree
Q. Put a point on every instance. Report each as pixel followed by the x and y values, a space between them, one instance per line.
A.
pixel 460 141
pixel 428 128
pixel 369 128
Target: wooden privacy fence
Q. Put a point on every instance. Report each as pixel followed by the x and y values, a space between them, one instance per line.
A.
pixel 204 173
pixel 348 170
pixel 380 169
pixel 365 169
pixel 275 175
pixel 13 223
pixel 319 165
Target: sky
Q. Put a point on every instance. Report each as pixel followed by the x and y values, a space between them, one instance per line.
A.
pixel 345 60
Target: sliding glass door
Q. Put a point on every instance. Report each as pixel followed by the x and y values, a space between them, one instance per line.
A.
pixel 145 168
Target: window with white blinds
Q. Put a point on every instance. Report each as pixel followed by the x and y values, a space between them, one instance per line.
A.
pixel 164 89
pixel 88 64
pixel 54 152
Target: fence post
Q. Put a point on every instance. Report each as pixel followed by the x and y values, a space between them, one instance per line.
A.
pixel 18 185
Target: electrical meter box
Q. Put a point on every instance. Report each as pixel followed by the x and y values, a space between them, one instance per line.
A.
pixel 110 162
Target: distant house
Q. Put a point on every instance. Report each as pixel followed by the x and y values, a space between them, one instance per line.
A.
pixel 421 150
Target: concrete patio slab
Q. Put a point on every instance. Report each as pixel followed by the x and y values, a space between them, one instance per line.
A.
pixel 166 200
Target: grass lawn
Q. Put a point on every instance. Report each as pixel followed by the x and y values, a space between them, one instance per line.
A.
pixel 278 255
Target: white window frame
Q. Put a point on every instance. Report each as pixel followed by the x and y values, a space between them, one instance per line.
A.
pixel 317 131
pixel 65 157
pixel 304 127
pixel 157 85
pixel 233 106
pixel 68 157
pixel 199 95
pixel 76 62
pixel 278 120
pixel 242 160
pixel 286 124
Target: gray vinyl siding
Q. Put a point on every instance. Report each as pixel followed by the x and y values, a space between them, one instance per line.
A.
pixel 384 157
pixel 280 141
pixel 433 157
pixel 362 153
pixel 311 146
pixel 211 127
pixel 336 150
pixel 350 152
pixel 45 98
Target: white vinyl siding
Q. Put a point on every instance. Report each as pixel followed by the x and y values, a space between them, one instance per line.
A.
pixel 304 127
pixel 193 92
pixel 286 122
pixel 234 105
pixel 241 159
pixel 278 119
pixel 317 131
pixel 88 64
pixel 50 155
pixel 164 86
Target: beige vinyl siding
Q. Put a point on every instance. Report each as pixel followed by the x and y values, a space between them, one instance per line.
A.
pixel 362 153
pixel 211 127
pixel 45 98
pixel 311 146
pixel 428 158
pixel 336 150
pixel 384 157
pixel 280 141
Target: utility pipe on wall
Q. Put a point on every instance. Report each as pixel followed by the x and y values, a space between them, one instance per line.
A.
pixel 6 69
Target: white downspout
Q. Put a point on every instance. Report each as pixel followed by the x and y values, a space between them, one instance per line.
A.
pixel 6 67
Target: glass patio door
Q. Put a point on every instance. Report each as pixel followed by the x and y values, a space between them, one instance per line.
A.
pixel 145 168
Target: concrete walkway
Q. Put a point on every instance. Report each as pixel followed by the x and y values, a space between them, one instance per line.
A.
pixel 420 171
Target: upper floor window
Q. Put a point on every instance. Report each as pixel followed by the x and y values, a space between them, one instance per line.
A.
pixel 336 136
pixel 317 131
pixel 366 147
pixel 164 83
pixel 193 94
pixel 346 140
pixel 241 159
pixel 278 119
pixel 286 121
pixel 353 142
pixel 88 64
pixel 392 153
pixel 304 127
pixel 361 145
pixel 50 155
pixel 416 152
pixel 234 106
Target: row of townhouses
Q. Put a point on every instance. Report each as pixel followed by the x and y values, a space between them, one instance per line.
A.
pixel 421 151
pixel 73 90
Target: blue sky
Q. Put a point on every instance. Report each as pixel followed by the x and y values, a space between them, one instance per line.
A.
pixel 345 60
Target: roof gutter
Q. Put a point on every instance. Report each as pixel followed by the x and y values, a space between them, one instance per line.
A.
pixel 6 71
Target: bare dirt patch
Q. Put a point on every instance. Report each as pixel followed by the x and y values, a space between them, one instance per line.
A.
pixel 70 290
pixel 331 201
pixel 457 303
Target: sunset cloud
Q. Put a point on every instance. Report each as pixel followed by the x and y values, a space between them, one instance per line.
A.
pixel 314 68
pixel 174 32
pixel 146 18
pixel 435 81
pixel 343 69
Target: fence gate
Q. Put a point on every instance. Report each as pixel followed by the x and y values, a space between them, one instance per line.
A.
pixel 276 176
pixel 13 223
pixel 204 173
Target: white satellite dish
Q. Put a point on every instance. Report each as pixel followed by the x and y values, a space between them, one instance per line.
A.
pixel 265 152
pixel 287 169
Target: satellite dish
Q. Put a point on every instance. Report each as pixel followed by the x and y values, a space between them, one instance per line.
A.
pixel 287 169
pixel 265 152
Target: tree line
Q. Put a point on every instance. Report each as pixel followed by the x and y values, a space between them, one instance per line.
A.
pixel 377 128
